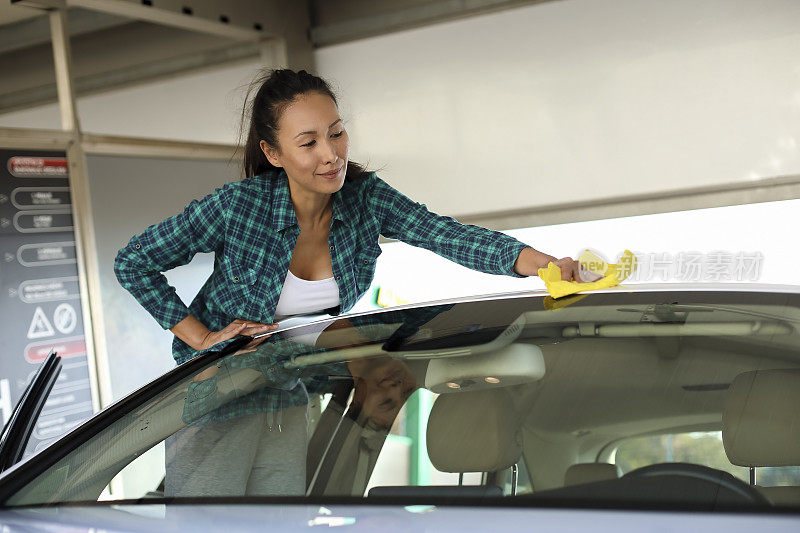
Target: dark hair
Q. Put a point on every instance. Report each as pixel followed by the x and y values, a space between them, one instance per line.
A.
pixel 277 89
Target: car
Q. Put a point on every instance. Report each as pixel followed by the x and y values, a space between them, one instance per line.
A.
pixel 668 405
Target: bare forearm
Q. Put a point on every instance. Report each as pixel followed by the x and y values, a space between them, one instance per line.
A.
pixel 530 261
pixel 191 331
pixel 195 334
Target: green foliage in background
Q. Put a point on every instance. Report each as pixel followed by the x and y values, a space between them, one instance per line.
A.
pixel 704 448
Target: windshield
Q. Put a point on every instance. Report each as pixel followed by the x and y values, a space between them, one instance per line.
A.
pixel 674 399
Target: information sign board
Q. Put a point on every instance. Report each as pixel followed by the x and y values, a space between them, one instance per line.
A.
pixel 40 307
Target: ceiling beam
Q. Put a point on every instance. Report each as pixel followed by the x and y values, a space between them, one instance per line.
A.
pixel 23 138
pixel 126 76
pixel 393 19
pixel 185 20
pixel 736 193
pixel 137 147
pixel 129 42
pixel 36 31
pixel 62 55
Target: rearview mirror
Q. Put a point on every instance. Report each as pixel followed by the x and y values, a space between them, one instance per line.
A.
pixel 513 364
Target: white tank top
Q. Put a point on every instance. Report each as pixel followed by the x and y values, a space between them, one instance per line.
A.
pixel 301 296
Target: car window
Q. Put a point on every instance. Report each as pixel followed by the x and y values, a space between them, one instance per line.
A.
pixel 502 397
pixel 698 447
pixel 401 460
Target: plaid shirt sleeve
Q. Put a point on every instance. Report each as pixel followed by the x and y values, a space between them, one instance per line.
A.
pixel 166 245
pixel 471 246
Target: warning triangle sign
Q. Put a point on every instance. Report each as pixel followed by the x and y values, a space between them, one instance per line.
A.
pixel 40 326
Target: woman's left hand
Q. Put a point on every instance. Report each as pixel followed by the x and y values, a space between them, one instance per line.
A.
pixel 569 269
pixel 530 261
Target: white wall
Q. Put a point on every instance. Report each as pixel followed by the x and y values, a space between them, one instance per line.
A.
pixel 560 101
pixel 717 241
pixel 138 349
pixel 203 106
pixel 577 99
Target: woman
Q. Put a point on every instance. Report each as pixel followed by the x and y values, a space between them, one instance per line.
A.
pixel 298 235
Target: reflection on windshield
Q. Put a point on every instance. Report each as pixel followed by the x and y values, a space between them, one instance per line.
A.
pixel 382 386
pixel 246 416
pixel 511 397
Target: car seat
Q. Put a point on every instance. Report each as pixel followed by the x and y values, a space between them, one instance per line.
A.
pixel 761 425
pixel 468 432
pixel 581 473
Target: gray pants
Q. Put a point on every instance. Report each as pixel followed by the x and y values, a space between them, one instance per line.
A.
pixel 239 457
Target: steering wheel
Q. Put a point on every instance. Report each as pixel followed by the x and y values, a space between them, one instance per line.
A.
pixel 702 473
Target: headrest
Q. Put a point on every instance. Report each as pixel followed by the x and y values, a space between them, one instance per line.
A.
pixel 474 432
pixel 761 422
pixel 589 473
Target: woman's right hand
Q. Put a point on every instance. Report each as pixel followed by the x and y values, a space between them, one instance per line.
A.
pixel 235 328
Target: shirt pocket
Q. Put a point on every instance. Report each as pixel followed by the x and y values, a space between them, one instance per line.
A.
pixel 238 286
pixel 365 267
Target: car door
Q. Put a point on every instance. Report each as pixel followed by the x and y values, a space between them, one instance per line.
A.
pixel 19 427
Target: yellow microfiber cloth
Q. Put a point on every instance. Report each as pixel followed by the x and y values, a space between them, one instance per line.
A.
pixel 554 304
pixel 613 275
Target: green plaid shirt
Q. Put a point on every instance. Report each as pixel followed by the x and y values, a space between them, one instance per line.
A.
pixel 251 227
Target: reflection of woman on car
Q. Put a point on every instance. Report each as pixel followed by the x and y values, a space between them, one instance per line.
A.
pixel 299 234
pixel 381 388
pixel 246 381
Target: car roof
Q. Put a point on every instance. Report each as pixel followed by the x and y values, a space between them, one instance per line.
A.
pixel 636 288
